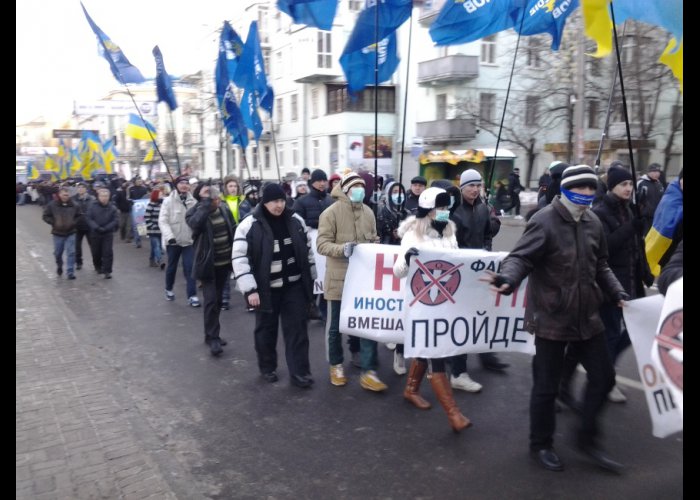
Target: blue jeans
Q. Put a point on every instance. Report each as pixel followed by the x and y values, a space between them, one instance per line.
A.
pixel 174 252
pixel 156 248
pixel 368 348
pixel 66 243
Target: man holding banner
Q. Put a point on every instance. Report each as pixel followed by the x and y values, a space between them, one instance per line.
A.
pixel 564 252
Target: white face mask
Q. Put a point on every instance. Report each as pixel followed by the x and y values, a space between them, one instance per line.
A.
pixel 357 194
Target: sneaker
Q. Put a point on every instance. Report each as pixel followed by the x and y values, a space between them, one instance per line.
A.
pixel 355 359
pixel 59 270
pixel 338 377
pixel 370 381
pixel 108 276
pixel 465 383
pixel 78 267
pixel 399 363
pixel 225 306
pixel 215 347
pixel 169 295
pixel 616 395
pixel 71 276
pixel 194 301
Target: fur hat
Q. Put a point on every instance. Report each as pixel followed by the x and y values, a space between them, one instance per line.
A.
pixel 349 180
pixel 469 176
pixel 616 175
pixel 431 198
pixel 579 176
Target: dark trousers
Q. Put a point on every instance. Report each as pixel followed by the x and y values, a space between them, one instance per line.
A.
pixel 615 332
pixel 102 251
pixel 212 292
pixel 288 303
pixel 546 373
pixel 459 362
pixel 79 234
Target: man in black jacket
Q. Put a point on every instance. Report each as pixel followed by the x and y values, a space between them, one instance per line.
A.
pixel 274 268
pixel 310 206
pixel 213 229
pixel 103 219
pixel 64 216
pixel 83 200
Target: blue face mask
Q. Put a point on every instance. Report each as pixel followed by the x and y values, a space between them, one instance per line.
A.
pixel 357 195
pixel 578 199
pixel 442 215
pixel 397 199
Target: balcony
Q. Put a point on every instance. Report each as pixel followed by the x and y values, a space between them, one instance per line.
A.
pixel 429 12
pixel 448 69
pixel 446 131
pixel 191 139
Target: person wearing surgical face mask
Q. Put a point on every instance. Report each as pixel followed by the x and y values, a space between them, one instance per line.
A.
pixel 391 213
pixel 429 228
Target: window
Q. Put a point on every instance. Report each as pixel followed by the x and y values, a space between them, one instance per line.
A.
pixel 314 103
pixel 295 154
pixel 295 107
pixel 634 111
pixel 262 25
pixel 595 64
pixel 677 116
pixel 593 114
pixel 441 107
pixel 532 104
pixel 266 60
pixel 533 52
pixel 255 158
pixel 487 107
pixel 279 110
pixel 488 49
pixel 266 162
pixel 280 155
pixel 338 100
pixel 279 65
pixel 355 5
pixel 324 58
pixel 316 152
pixel 627 50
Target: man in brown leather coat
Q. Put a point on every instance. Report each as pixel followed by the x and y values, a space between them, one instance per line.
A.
pixel 564 252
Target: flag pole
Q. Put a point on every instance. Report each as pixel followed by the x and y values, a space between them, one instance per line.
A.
pixel 376 106
pixel 274 147
pixel 635 206
pixel 405 98
pixel 505 105
pixel 172 127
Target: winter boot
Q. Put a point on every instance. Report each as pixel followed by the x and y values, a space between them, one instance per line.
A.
pixel 443 391
pixel 415 376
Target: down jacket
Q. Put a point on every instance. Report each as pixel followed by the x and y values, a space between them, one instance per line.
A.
pixel 569 274
pixel 171 219
pixel 341 223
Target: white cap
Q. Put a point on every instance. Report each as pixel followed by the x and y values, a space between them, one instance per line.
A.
pixel 431 198
pixel 469 176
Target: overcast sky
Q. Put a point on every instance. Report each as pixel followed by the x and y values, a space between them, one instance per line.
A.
pixel 57 59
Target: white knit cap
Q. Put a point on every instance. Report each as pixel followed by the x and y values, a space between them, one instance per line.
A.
pixel 579 175
pixel 470 176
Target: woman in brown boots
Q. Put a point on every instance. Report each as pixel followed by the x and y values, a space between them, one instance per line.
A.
pixel 429 228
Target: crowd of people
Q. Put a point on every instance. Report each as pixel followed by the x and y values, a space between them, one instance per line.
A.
pixel 583 264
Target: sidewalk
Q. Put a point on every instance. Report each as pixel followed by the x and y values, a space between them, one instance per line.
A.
pixel 74 436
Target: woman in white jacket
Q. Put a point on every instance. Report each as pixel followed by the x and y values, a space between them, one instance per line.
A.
pixel 429 228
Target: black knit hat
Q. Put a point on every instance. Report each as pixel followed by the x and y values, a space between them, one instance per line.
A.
pixel 273 192
pixel 616 175
pixel 318 175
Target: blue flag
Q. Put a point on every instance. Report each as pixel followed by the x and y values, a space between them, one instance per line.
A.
pixel 548 18
pixel 359 55
pixel 316 13
pixel 464 22
pixel 249 110
pixel 267 102
pixel 232 46
pixel 250 73
pixel 121 68
pixel 164 87
pixel 233 120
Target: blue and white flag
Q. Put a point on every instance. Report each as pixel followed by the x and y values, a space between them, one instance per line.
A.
pixel 315 13
pixel 545 17
pixel 250 72
pixel 164 86
pixel 463 21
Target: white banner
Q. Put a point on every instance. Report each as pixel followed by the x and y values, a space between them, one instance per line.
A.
pixel 667 349
pixel 443 311
pixel 147 108
pixel 320 261
pixel 641 317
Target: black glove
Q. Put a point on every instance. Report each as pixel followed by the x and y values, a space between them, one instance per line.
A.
pixel 621 296
pixel 499 281
pixel 172 241
pixel 411 251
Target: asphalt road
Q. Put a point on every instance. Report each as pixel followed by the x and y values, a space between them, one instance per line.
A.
pixel 239 437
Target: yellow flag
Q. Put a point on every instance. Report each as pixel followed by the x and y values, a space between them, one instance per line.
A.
pixel 674 60
pixel 150 154
pixel 598 25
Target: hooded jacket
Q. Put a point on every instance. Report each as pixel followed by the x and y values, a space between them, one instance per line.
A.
pixel 390 215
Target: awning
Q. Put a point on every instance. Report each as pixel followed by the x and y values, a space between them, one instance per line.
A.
pixel 459 155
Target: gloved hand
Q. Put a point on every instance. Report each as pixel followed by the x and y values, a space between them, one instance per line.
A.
pixel 101 230
pixel 348 248
pixel 621 296
pixel 410 252
pixel 499 281
pixel 172 241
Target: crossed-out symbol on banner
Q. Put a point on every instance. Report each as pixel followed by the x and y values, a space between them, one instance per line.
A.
pixel 434 282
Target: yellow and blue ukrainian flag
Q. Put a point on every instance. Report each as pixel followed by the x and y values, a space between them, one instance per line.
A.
pixel 139 129
pixel 668 216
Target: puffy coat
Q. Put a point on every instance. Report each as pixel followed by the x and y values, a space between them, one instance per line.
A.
pixel 252 254
pixel 431 239
pixel 63 217
pixel 474 225
pixel 102 218
pixel 569 273
pixel 171 219
pixel 341 223
pixel 310 206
